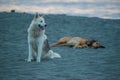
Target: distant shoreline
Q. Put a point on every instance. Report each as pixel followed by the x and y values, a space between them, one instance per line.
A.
pixel 62 14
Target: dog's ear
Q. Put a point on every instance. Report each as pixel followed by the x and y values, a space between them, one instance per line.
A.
pixel 43 16
pixel 36 15
pixel 89 43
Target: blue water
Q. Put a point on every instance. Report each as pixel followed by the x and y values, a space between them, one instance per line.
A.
pixel 91 8
pixel 75 64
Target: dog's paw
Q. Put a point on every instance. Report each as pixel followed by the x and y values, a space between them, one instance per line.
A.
pixel 28 60
pixel 38 60
pixel 74 47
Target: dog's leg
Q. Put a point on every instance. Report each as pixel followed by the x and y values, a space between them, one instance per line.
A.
pixel 40 47
pixel 58 44
pixel 63 44
pixel 82 46
pixel 30 53
pixel 54 44
pixel 76 45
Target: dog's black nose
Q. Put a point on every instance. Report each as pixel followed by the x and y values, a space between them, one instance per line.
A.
pixel 39 25
pixel 45 25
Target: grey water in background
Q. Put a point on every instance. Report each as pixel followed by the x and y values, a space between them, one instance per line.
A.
pixel 75 64
pixel 109 9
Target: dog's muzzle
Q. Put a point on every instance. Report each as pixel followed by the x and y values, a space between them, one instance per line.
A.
pixel 42 27
pixel 96 47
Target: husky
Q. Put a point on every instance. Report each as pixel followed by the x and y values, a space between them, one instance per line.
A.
pixel 39 48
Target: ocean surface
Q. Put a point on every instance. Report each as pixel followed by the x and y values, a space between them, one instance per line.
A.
pixel 109 9
pixel 75 64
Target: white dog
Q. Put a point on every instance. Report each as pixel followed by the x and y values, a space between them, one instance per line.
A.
pixel 37 41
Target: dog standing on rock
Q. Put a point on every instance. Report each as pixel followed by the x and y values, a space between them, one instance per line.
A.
pixel 37 41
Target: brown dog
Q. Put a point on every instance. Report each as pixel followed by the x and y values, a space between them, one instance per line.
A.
pixel 77 42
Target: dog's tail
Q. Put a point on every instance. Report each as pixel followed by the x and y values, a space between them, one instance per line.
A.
pixel 52 54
